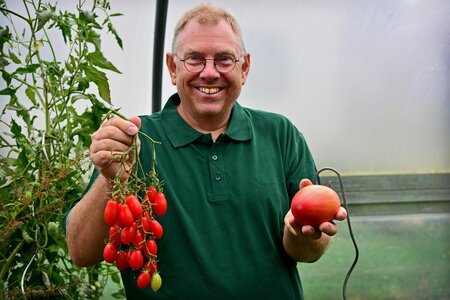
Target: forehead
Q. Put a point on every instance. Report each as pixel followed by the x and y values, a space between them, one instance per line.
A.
pixel 204 38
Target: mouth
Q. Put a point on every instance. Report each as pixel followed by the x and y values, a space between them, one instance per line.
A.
pixel 209 91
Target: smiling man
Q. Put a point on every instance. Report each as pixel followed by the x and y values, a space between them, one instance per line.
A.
pixel 230 173
pixel 211 70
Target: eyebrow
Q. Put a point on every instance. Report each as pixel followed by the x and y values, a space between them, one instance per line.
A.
pixel 190 51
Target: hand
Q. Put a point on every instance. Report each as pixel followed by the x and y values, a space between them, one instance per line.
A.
pixel 328 228
pixel 112 139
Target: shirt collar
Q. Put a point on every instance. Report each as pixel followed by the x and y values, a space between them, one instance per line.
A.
pixel 181 134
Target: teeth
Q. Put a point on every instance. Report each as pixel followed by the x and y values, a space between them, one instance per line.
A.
pixel 209 90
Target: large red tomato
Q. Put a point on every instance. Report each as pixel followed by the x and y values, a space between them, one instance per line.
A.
pixel 315 204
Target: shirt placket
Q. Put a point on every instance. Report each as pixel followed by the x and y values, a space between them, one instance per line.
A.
pixel 217 172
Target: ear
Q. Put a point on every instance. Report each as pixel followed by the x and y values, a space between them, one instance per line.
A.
pixel 172 67
pixel 245 68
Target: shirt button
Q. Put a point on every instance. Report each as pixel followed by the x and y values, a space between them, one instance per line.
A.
pixel 214 157
pixel 218 177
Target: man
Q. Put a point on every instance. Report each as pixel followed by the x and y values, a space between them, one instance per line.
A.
pixel 229 175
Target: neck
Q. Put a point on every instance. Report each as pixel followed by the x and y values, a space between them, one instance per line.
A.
pixel 214 125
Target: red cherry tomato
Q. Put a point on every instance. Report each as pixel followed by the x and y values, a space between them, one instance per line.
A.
pixel 150 248
pixel 134 205
pixel 122 261
pixel 127 235
pixel 156 228
pixel 146 224
pixel 110 253
pixel 151 266
pixel 114 236
pixel 111 213
pixel 151 194
pixel 144 280
pixel 136 259
pixel 160 206
pixel 125 216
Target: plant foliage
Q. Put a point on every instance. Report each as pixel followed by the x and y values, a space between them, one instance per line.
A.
pixel 50 103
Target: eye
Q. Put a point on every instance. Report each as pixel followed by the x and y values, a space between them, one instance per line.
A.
pixel 194 59
pixel 224 60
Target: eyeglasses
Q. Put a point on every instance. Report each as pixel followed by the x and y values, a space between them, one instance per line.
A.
pixel 195 63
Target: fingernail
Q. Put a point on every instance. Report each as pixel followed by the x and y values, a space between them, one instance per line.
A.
pixel 132 130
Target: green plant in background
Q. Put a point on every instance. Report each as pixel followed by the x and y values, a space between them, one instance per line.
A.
pixel 49 107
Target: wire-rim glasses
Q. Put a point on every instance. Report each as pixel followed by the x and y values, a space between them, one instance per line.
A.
pixel 195 63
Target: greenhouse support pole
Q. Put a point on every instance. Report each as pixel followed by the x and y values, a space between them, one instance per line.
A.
pixel 158 53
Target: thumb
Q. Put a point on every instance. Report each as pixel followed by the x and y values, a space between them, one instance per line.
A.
pixel 136 121
pixel 305 182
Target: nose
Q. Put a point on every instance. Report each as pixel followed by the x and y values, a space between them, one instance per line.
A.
pixel 209 72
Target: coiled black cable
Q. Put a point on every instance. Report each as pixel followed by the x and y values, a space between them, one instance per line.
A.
pixel 341 183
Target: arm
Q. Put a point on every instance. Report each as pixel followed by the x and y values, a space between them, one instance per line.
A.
pixel 305 243
pixel 86 229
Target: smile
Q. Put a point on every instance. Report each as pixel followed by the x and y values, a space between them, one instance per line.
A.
pixel 209 90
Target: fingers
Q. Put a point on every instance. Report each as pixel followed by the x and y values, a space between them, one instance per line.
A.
pixel 341 215
pixel 136 121
pixel 311 232
pixel 296 229
pixel 111 142
pixel 304 182
pixel 118 129
pixel 328 228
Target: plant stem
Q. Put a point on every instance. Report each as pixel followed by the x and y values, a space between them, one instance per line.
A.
pixel 10 259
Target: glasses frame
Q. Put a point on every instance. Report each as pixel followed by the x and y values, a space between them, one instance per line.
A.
pixel 205 61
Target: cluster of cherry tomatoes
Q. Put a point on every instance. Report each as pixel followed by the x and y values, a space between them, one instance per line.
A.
pixel 133 233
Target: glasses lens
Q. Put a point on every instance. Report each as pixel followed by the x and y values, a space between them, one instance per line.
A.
pixel 196 63
pixel 224 63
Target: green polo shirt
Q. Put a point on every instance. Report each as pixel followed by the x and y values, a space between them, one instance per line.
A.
pixel 226 205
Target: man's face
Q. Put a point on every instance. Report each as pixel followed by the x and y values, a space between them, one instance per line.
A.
pixel 209 94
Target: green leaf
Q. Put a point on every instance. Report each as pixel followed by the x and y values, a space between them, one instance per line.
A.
pixel 14 58
pixel 43 17
pixel 94 38
pixel 88 17
pixel 5 36
pixel 22 160
pixel 16 130
pixel 8 91
pixel 28 69
pixel 97 59
pixel 31 95
pixel 3 63
pixel 116 35
pixel 100 79
pixel 5 75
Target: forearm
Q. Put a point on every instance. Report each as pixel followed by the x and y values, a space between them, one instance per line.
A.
pixel 304 248
pixel 86 230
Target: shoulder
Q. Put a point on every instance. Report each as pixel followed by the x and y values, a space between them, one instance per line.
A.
pixel 152 120
pixel 268 120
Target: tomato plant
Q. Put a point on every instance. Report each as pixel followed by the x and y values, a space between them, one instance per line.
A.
pixel 54 93
pixel 315 204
